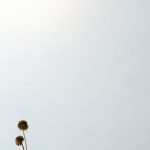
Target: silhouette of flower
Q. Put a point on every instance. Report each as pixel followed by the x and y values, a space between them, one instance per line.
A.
pixel 19 140
pixel 23 125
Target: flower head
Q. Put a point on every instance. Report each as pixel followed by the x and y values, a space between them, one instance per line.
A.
pixel 23 125
pixel 19 140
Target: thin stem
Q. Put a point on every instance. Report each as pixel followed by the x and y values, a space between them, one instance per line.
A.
pixel 25 139
pixel 22 146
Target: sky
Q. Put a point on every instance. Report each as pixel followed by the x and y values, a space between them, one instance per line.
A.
pixel 77 71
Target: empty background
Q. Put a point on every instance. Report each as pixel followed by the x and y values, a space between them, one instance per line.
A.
pixel 77 71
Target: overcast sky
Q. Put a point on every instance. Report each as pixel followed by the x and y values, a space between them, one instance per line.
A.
pixel 78 71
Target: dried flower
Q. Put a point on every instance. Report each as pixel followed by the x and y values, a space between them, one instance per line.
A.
pixel 19 140
pixel 23 125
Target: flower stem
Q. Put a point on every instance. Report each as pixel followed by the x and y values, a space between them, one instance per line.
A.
pixel 22 146
pixel 25 139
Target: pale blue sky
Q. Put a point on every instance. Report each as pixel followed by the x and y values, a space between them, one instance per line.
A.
pixel 78 71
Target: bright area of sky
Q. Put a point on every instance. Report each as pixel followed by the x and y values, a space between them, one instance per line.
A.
pixel 77 71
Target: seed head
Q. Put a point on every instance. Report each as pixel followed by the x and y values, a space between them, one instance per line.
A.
pixel 23 125
pixel 19 140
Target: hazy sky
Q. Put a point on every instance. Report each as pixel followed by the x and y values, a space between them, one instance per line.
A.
pixel 78 71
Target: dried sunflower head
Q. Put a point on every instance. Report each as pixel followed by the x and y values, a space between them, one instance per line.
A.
pixel 23 125
pixel 19 140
